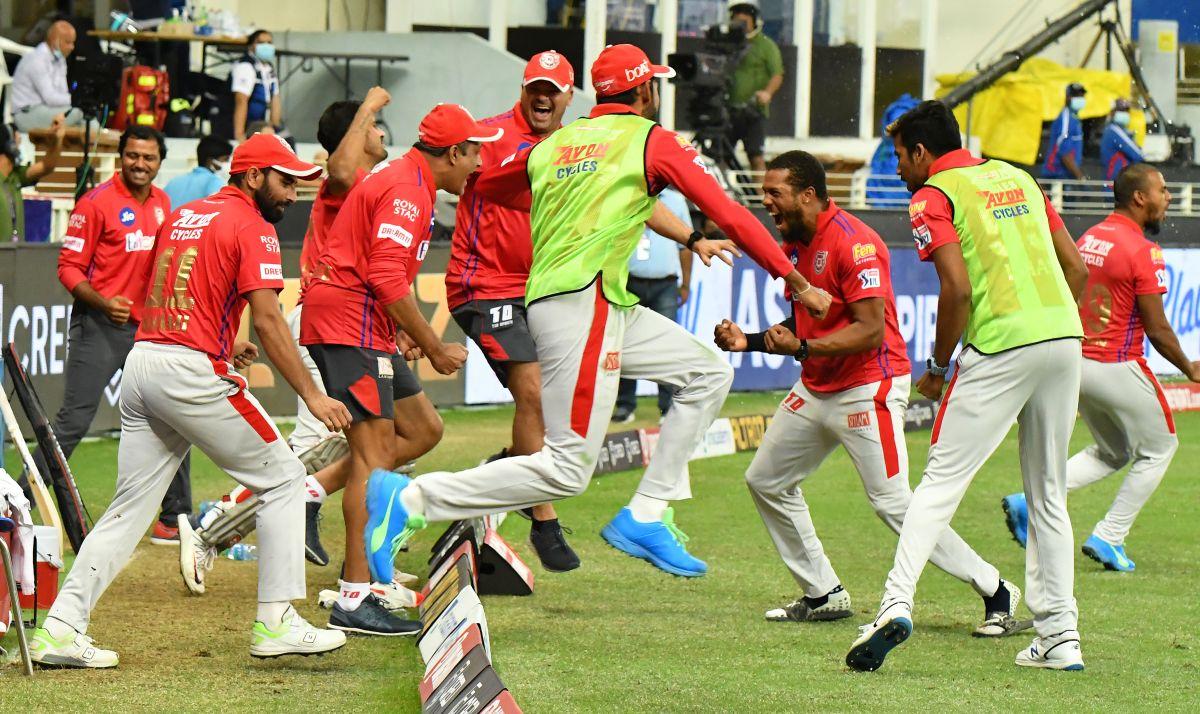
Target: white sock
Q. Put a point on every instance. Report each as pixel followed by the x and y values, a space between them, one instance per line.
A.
pixel 351 595
pixel 58 629
pixel 271 613
pixel 413 500
pixel 314 492
pixel 646 509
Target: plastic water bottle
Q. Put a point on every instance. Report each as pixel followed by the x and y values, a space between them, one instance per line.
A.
pixel 242 551
pixel 206 506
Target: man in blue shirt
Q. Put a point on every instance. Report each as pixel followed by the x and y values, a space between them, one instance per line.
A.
pixel 210 174
pixel 1118 148
pixel 1064 156
pixel 659 273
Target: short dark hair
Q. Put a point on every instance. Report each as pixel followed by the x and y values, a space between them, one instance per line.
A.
pixel 441 150
pixel 335 122
pixel 1133 178
pixel 211 148
pixel 804 171
pixel 628 97
pixel 930 123
pixel 240 177
pixel 744 8
pixel 144 133
pixel 253 37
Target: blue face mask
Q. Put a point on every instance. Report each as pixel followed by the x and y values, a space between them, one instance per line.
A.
pixel 1078 103
pixel 1121 118
pixel 57 53
pixel 265 51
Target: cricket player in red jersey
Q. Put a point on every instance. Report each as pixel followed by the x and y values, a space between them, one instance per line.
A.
pixel 213 257
pixel 485 279
pixel 360 295
pixel 1120 399
pixel 103 264
pixel 853 391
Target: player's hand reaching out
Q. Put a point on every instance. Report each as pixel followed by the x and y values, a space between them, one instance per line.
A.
pixel 244 353
pixel 332 413
pixel 781 341
pixel 709 248
pixel 930 386
pixel 729 337
pixel 449 359
pixel 117 309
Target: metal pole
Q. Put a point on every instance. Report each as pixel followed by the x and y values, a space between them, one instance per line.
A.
pixel 802 38
pixel 498 24
pixel 595 19
pixel 929 42
pixel 668 28
pixel 866 40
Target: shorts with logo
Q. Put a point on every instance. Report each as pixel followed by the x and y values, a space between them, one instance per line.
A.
pixel 500 329
pixel 367 381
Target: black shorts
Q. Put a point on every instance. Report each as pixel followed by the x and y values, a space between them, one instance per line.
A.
pixel 748 126
pixel 368 382
pixel 500 329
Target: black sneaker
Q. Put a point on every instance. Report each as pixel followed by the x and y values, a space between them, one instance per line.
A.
pixel 372 618
pixel 551 547
pixel 314 552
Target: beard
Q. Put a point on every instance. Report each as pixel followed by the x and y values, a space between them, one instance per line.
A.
pixel 271 210
pixel 1153 227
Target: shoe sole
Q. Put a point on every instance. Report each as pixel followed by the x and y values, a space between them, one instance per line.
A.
pixel 1042 664
pixel 633 550
pixel 821 617
pixel 372 633
pixel 274 655
pixel 71 664
pixel 869 656
pixel 1013 628
pixel 1091 552
pixel 311 556
pixel 164 541
pixel 1010 521
pixel 547 567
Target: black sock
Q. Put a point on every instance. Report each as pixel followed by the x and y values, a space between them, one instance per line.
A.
pixel 815 602
pixel 543 525
pixel 998 601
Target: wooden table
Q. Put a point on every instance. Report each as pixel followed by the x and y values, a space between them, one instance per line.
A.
pixel 206 41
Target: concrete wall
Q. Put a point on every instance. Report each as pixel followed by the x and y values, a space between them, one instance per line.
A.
pixel 443 67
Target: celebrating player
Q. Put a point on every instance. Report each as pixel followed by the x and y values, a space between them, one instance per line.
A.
pixel 591 186
pixel 853 391
pixel 1120 400
pixel 361 293
pixel 213 258
pixel 1010 275
pixel 485 279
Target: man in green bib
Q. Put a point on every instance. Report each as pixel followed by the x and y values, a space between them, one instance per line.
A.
pixel 1010 277
pixel 590 188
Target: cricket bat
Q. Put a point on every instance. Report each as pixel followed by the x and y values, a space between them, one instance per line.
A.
pixel 41 495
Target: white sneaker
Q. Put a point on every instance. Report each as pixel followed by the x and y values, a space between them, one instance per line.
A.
pixel 835 608
pixel 75 651
pixel 195 557
pixel 1058 652
pixel 1002 623
pixel 891 627
pixel 294 636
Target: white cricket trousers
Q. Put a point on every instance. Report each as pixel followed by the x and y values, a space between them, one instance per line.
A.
pixel 585 345
pixel 309 430
pixel 1038 387
pixel 171 398
pixel 868 421
pixel 1123 405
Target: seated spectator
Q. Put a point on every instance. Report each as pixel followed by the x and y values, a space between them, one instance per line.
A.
pixel 15 176
pixel 254 86
pixel 210 174
pixel 39 86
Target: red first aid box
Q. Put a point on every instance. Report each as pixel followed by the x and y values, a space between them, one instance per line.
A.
pixel 48 544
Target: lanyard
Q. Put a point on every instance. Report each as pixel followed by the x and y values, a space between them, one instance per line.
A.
pixel 12 208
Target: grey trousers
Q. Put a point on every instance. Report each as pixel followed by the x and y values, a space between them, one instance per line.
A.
pixel 1038 387
pixel 1124 408
pixel 172 398
pixel 96 351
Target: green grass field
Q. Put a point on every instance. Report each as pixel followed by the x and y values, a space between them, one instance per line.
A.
pixel 619 636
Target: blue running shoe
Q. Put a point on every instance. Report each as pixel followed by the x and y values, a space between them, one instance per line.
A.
pixel 660 543
pixel 389 526
pixel 1112 557
pixel 1016 515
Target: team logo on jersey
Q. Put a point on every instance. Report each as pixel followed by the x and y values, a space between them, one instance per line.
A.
pixel 137 242
pixel 1156 255
pixel 820 260
pixel 422 250
pixel 863 251
pixel 77 220
pixel 190 219
pixel 73 243
pixel 574 154
pixel 270 243
pixel 612 362
pixel 1003 198
pixel 404 207
pixel 1161 276
pixel 858 420
pixel 127 217
pixel 396 233
pixel 869 278
pixel 920 232
pixel 159 215
pixel 549 60
pixel 916 208
pixel 270 271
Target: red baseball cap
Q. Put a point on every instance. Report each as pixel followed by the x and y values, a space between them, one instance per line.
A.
pixel 620 68
pixel 549 66
pixel 271 151
pixel 450 124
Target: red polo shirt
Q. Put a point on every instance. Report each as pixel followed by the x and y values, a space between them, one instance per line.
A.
pixel 847 259
pixel 110 241
pixel 492 248
pixel 373 252
pixel 325 208
pixel 209 256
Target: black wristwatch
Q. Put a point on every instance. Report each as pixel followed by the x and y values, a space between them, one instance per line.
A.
pixel 933 368
pixel 802 353
pixel 695 238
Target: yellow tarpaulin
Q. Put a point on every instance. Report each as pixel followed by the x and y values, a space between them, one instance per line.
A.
pixel 1007 116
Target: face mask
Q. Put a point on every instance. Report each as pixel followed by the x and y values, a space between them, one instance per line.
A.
pixel 1078 103
pixel 1121 118
pixel 265 51
pixel 221 169
pixel 57 53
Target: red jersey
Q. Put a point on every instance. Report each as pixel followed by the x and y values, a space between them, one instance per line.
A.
pixel 210 254
pixel 1122 264
pixel 492 248
pixel 110 241
pixel 932 216
pixel 849 261
pixel 324 209
pixel 373 252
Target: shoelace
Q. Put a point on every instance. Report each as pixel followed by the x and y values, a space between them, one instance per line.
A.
pixel 208 558
pixel 668 520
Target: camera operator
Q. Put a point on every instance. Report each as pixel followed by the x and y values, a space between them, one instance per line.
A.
pixel 39 86
pixel 14 176
pixel 757 77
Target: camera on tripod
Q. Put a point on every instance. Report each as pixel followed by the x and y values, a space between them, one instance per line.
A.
pixel 708 75
pixel 95 82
